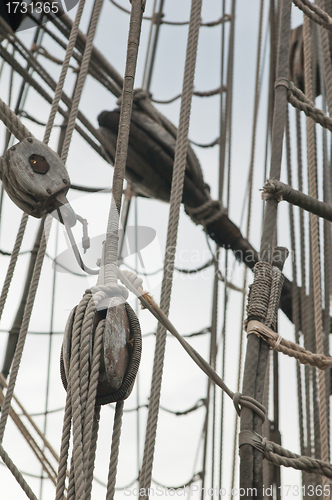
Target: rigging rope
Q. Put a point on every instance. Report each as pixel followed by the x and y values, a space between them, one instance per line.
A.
pixel 175 203
pixel 248 225
pixel 19 129
pixel 314 228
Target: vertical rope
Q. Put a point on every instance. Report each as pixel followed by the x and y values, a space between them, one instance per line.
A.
pixel 326 77
pixel 112 237
pixel 12 263
pixel 305 310
pixel 315 246
pixel 175 202
pixel 295 292
pixel 226 119
pixel 250 186
pixel 81 78
pixel 64 71
pixel 115 450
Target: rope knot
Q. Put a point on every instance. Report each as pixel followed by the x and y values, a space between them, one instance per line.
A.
pixel 272 191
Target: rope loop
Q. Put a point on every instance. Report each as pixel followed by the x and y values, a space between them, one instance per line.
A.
pixel 239 400
pixel 101 292
pixel 236 402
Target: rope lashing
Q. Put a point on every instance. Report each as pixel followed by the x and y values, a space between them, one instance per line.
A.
pixel 93 310
pixel 265 291
pixel 207 213
pixel 277 455
pixel 259 291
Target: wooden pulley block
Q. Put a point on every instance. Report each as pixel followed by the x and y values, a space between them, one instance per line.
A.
pixel 120 352
pixel 34 177
pixel 116 346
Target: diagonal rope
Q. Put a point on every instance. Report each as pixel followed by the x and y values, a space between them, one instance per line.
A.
pixel 175 202
pixel 17 474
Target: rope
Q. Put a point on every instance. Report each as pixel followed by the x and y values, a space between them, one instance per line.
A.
pixel 24 328
pixel 280 191
pixel 299 100
pixel 207 213
pixel 315 247
pixel 64 71
pixel 111 246
pixel 295 290
pixel 148 303
pixel 315 13
pixel 207 93
pixel 251 473
pixel 114 450
pixel 280 456
pixel 16 473
pixel 81 77
pixel 41 252
pixel 157 20
pixel 13 123
pixel 12 263
pixel 325 67
pixel 287 347
pixel 175 203
pixel 248 225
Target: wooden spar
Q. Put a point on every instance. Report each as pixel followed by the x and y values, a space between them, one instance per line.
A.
pixel 149 169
